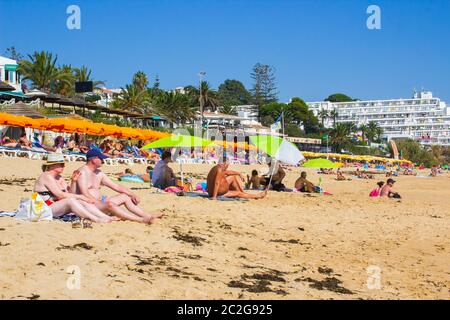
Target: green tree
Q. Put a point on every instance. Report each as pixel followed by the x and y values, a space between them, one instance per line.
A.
pixel 363 128
pixel 233 93
pixel 333 115
pixel 264 88
pixel 226 109
pixel 299 113
pixel 66 88
pixel 206 97
pixel 175 107
pixel 413 151
pixel 12 53
pixel 42 71
pixel 373 131
pixel 140 81
pixel 132 99
pixel 338 97
pixel 323 115
pixel 339 137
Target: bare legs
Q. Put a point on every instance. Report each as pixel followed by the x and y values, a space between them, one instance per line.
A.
pixel 113 204
pixel 71 205
pixel 237 191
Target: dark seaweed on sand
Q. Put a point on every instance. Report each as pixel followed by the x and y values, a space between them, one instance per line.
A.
pixel 330 284
pixel 259 282
pixel 77 246
pixel 195 241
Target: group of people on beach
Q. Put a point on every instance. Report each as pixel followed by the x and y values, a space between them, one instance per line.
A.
pixel 82 196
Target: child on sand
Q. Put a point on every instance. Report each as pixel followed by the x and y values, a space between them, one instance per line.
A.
pixel 377 191
pixel 255 181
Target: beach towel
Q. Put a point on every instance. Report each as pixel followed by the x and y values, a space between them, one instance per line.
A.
pixel 206 196
pixel 7 214
pixel 68 218
pixel 131 178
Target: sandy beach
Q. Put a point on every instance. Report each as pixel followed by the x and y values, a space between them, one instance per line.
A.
pixel 286 246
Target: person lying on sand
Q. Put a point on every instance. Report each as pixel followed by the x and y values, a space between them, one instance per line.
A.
pixel 223 182
pixel 128 172
pixel 304 185
pixel 255 181
pixel 92 178
pixel 56 193
pixel 386 191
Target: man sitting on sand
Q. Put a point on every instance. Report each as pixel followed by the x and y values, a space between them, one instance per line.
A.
pixel 304 185
pixel 223 182
pixel 163 176
pixel 92 178
pixel 278 175
pixel 386 190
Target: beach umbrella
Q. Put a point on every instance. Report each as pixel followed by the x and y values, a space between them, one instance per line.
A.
pixel 321 163
pixel 178 141
pixel 278 148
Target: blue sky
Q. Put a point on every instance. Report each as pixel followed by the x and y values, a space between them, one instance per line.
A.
pixel 318 47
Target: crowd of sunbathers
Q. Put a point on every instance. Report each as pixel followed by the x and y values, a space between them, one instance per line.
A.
pixel 77 143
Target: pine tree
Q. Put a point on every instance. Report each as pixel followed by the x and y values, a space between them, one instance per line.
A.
pixel 264 88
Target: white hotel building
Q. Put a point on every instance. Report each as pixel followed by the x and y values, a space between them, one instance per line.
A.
pixel 423 118
pixel 8 73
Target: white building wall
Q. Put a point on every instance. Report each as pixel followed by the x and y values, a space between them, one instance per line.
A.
pixel 423 118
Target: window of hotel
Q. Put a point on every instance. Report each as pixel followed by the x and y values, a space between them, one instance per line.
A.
pixel 6 75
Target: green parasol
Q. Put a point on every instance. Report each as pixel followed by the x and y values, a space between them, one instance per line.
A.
pixel 178 141
pixel 321 163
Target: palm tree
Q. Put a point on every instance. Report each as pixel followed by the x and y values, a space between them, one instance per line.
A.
pixel 339 136
pixel 206 97
pixel 84 74
pixel 351 127
pixel 140 80
pixel 42 71
pixel 228 110
pixel 133 99
pixel 372 129
pixel 363 128
pixel 334 114
pixel 175 107
pixel 66 88
pixel 378 132
pixel 323 114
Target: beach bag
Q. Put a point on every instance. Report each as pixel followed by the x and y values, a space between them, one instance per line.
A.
pixel 34 209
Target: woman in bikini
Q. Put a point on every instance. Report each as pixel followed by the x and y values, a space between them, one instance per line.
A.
pixel 56 193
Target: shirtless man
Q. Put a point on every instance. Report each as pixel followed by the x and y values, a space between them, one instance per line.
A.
pixel 386 191
pixel 223 182
pixel 304 185
pixel 92 178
